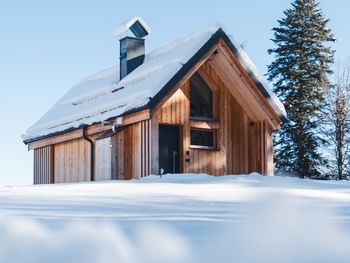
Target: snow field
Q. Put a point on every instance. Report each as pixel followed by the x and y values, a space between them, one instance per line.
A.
pixel 179 218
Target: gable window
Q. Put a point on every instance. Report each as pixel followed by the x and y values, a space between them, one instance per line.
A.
pixel 202 139
pixel 201 98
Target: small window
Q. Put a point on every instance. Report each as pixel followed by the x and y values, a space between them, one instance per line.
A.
pixel 201 98
pixel 202 139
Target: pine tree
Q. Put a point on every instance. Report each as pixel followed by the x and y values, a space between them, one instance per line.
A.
pixel 299 74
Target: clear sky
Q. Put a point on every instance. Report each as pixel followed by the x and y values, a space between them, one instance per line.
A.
pixel 48 46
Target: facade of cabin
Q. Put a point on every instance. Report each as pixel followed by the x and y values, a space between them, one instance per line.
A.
pixel 212 118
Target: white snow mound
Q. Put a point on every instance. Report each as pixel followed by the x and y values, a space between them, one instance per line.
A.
pixel 178 218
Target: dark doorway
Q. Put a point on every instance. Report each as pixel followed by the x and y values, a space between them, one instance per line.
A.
pixel 169 149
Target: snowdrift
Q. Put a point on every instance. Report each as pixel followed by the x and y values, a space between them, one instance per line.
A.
pixel 177 218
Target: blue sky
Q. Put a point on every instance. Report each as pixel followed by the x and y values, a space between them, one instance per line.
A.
pixel 48 46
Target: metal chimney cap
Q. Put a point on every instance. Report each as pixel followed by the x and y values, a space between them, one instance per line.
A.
pixel 136 25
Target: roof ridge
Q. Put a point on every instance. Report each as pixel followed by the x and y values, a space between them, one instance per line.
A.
pixel 93 100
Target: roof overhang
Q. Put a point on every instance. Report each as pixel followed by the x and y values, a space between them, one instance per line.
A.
pixel 220 35
pixel 187 68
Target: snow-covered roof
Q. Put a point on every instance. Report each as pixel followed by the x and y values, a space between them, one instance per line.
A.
pixel 102 96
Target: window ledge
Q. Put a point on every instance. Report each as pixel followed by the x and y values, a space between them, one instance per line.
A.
pixel 204 124
pixel 199 147
pixel 201 118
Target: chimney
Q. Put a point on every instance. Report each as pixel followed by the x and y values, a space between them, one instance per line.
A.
pixel 132 49
pixel 132 54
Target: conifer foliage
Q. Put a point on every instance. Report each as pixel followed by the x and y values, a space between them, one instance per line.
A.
pixel 299 74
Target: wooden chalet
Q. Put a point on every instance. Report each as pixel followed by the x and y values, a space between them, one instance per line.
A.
pixel 196 105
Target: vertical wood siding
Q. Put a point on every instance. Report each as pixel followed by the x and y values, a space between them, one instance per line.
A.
pixel 72 162
pixel 243 140
pixel 43 165
pixel 268 149
pixel 131 152
pixel 103 159
pixel 243 145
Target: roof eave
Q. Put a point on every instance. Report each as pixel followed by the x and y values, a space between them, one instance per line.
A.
pixel 219 34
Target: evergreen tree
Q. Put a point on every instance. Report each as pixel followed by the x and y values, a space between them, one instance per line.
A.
pixel 299 74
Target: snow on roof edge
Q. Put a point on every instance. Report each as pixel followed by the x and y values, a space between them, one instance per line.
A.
pixel 251 69
pixel 243 58
pixel 34 133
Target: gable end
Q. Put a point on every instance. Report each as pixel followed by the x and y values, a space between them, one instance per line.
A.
pixel 220 34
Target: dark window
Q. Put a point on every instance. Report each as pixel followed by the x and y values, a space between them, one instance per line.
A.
pixel 202 138
pixel 201 98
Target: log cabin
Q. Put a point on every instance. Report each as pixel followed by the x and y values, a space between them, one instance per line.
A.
pixel 196 105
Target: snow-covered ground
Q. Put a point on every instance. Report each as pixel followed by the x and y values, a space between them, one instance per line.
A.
pixel 178 218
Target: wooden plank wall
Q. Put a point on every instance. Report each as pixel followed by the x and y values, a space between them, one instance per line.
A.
pixel 131 152
pixel 240 146
pixel 244 142
pixel 253 159
pixel 72 161
pixel 103 159
pixel 43 165
pixel 145 148
pixel 255 147
pixel 236 125
pixel 176 111
pixel 212 162
pixel 154 138
pixel 269 167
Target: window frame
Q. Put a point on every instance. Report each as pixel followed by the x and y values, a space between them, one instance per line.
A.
pixel 204 147
pixel 213 94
